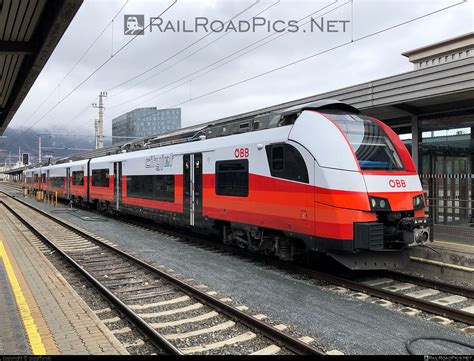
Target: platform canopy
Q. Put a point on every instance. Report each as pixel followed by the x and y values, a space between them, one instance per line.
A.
pixel 29 32
pixel 442 88
pixel 15 171
pixel 446 89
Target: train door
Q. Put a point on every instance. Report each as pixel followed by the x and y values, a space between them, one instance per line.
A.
pixel 117 184
pixel 192 178
pixel 89 180
pixel 68 183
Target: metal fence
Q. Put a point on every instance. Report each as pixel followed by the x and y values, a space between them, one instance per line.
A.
pixel 450 203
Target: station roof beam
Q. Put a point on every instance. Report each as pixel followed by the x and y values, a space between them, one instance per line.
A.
pixel 29 32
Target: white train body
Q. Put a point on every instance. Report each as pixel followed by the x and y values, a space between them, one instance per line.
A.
pixel 322 178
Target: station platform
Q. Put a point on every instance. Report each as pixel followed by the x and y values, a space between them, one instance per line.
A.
pixel 12 334
pixel 447 257
pixel 40 313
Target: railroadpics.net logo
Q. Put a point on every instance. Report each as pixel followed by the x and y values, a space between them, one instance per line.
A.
pixel 135 25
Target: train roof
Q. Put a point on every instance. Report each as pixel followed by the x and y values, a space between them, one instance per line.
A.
pixel 218 128
pixel 325 104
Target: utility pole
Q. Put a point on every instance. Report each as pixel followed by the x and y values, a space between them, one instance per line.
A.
pixel 96 123
pixel 100 121
pixel 39 149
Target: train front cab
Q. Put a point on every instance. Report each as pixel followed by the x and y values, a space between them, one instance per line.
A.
pixel 369 203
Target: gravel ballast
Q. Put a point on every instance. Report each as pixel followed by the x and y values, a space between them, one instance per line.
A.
pixel 340 322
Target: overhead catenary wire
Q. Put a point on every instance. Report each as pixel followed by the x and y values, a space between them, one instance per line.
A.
pixel 189 55
pixel 88 107
pixel 45 100
pixel 97 69
pixel 179 51
pixel 81 112
pixel 298 61
pixel 229 56
pixel 322 52
pixel 188 46
pixel 226 57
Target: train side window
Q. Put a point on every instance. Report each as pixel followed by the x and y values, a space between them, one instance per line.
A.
pixel 278 158
pixel 57 182
pixel 164 188
pixel 100 177
pixel 78 178
pixel 35 178
pixel 232 178
pixel 43 178
pixel 286 162
pixel 158 187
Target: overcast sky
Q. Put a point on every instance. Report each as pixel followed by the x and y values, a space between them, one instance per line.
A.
pixel 364 60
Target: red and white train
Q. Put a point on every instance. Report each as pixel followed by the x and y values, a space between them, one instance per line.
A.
pixel 317 178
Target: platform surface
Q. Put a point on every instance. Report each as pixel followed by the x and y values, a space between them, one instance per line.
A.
pixel 455 252
pixel 12 335
pixel 43 314
pixel 460 244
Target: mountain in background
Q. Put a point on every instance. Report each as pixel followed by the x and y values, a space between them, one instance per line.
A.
pixel 54 144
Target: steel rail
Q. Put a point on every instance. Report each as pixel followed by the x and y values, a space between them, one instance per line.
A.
pixel 427 306
pixel 290 342
pixel 157 339
pixel 402 299
pixel 440 286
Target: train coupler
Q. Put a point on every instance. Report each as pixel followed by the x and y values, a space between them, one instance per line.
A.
pixel 416 231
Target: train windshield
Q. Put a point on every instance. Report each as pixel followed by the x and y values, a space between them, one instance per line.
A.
pixel 371 145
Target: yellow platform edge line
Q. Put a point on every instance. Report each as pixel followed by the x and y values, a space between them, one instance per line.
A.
pixel 459 245
pixel 37 346
pixel 438 263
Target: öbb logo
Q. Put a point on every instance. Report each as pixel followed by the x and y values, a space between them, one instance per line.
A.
pixel 397 183
pixel 241 153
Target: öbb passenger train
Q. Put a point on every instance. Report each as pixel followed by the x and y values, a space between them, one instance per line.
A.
pixel 317 178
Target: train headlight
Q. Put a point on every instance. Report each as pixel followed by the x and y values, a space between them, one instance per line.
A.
pixel 418 202
pixel 373 203
pixel 379 204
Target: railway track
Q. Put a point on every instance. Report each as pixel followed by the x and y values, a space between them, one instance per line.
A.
pixel 414 293
pixel 12 186
pixel 175 316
